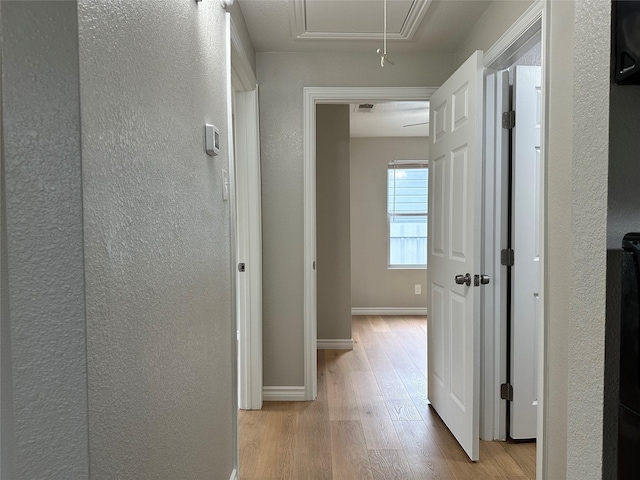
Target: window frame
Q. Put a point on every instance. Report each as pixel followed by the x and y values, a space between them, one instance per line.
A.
pixel 406 164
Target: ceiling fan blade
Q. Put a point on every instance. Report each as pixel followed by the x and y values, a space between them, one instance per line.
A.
pixel 414 124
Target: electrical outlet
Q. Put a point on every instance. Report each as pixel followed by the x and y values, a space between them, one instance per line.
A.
pixel 418 289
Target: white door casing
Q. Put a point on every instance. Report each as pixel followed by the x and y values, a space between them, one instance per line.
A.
pixel 244 142
pixel 311 97
pixel 525 273
pixel 455 188
pixel 249 249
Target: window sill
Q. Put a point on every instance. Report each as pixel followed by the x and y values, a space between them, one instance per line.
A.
pixel 406 267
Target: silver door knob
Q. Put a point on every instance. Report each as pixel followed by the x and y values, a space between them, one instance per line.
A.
pixel 464 279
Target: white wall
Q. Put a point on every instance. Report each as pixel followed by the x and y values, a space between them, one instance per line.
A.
pixel 156 240
pixel 116 329
pixel 44 397
pixel 372 283
pixel 333 242
pixel 576 218
pixel 281 77
pixel 589 230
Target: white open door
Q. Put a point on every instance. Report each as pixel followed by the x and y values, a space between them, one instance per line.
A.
pixel 455 189
pixel 525 273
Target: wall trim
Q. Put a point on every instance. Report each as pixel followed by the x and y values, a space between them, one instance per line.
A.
pixel 249 248
pixel 234 475
pixel 389 311
pixel 284 394
pixel 335 344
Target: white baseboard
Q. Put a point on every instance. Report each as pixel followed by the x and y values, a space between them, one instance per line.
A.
pixel 283 394
pixel 389 311
pixel 335 344
pixel 234 475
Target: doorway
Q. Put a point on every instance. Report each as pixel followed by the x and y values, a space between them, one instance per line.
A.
pixel 516 48
pixel 514 186
pixel 371 214
pixel 312 97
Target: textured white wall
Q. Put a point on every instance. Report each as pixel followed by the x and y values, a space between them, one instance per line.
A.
pixel 43 320
pixel 372 283
pixel 333 232
pixel 157 261
pixel 281 78
pixel 7 453
pixel 589 230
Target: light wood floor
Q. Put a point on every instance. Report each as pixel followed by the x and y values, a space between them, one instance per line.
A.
pixel 370 421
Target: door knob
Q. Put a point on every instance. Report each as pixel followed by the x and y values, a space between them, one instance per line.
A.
pixel 480 280
pixel 464 279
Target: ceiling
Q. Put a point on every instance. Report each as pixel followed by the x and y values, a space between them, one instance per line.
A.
pixel 390 119
pixel 357 25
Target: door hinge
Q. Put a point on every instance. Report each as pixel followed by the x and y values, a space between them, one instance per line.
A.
pixel 509 119
pixel 507 257
pixel 506 392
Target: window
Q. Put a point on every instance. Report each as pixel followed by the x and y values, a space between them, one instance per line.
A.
pixel 407 183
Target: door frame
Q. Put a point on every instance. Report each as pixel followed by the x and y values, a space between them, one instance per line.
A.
pixel 313 96
pixel 244 141
pixel 530 28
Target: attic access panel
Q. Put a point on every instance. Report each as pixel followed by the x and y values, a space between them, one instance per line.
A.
pixel 340 19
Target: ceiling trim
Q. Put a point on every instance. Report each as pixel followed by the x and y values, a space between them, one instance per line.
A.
pixel 517 36
pixel 297 15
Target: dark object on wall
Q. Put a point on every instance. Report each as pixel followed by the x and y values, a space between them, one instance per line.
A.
pixel 629 401
pixel 626 42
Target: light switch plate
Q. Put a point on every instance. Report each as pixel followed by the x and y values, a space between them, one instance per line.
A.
pixel 211 140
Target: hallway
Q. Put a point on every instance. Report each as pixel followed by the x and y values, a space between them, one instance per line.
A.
pixel 370 421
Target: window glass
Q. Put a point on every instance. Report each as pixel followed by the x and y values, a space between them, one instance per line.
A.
pixel 407 215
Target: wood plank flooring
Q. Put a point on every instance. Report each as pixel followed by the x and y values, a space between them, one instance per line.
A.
pixel 370 421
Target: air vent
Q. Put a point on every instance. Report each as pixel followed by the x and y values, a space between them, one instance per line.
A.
pixel 365 107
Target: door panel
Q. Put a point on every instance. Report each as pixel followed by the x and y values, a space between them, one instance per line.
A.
pixel 458 202
pixel 454 249
pixel 525 277
pixel 436 216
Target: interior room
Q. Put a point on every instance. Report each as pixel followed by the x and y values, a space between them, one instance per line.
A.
pixel 161 278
